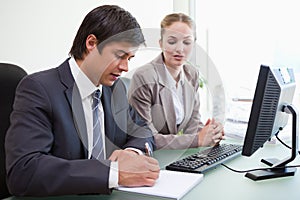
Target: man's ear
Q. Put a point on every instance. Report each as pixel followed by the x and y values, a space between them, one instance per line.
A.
pixel 91 42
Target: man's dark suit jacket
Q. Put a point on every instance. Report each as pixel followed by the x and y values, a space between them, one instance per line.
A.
pixel 46 143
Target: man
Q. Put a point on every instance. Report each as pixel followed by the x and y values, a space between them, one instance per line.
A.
pixel 50 144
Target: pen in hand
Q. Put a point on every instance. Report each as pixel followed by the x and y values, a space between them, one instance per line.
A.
pixel 148 150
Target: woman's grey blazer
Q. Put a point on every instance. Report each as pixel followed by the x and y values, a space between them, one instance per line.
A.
pixel 150 94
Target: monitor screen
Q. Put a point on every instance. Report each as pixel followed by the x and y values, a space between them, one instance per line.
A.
pixel 275 88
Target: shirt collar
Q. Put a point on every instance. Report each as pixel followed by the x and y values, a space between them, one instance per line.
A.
pixel 181 77
pixel 171 79
pixel 85 85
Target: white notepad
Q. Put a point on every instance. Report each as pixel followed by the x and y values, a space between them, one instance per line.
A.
pixel 170 184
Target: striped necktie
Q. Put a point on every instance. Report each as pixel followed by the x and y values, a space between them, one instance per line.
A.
pixel 97 151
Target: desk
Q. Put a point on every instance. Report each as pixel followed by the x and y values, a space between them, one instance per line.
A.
pixel 220 183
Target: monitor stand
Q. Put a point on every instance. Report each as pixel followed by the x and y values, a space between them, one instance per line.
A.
pixel 279 168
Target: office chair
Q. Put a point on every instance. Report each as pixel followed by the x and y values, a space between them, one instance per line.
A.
pixel 10 76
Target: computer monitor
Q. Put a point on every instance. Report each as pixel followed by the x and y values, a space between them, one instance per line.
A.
pixel 272 104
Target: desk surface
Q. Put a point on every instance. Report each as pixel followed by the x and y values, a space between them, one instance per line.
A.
pixel 221 183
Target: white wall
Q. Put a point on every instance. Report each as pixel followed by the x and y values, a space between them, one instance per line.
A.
pixel 241 35
pixel 38 34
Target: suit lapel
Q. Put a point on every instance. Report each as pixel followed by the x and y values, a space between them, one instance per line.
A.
pixel 78 114
pixel 110 128
pixel 168 108
pixel 74 99
pixel 188 94
pixel 165 95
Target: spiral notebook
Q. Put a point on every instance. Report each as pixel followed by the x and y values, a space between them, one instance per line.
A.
pixel 170 184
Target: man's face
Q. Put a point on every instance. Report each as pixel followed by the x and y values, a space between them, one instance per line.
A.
pixel 105 68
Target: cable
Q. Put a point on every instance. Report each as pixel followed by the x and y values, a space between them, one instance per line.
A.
pixel 287 146
pixel 282 142
pixel 262 168
pixel 265 168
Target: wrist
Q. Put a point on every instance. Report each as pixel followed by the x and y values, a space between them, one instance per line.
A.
pixel 200 140
pixel 134 150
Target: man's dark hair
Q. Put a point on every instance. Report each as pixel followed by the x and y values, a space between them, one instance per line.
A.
pixel 109 23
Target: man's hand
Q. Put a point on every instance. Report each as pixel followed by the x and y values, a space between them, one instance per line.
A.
pixel 135 170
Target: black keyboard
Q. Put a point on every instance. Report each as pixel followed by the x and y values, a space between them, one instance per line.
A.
pixel 206 159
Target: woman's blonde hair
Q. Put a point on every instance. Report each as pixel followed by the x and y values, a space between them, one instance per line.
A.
pixel 177 17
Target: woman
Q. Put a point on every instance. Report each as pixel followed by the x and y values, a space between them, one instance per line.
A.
pixel 165 91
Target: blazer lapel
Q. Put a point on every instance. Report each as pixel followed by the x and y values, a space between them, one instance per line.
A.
pixel 165 96
pixel 189 97
pixel 168 108
pixel 74 99
pixel 110 128
pixel 78 114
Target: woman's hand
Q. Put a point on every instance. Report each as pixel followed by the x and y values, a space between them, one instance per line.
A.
pixel 211 134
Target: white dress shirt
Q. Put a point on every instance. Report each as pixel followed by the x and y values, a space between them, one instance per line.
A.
pixel 177 95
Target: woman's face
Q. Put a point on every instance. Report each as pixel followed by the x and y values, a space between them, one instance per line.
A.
pixel 177 43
